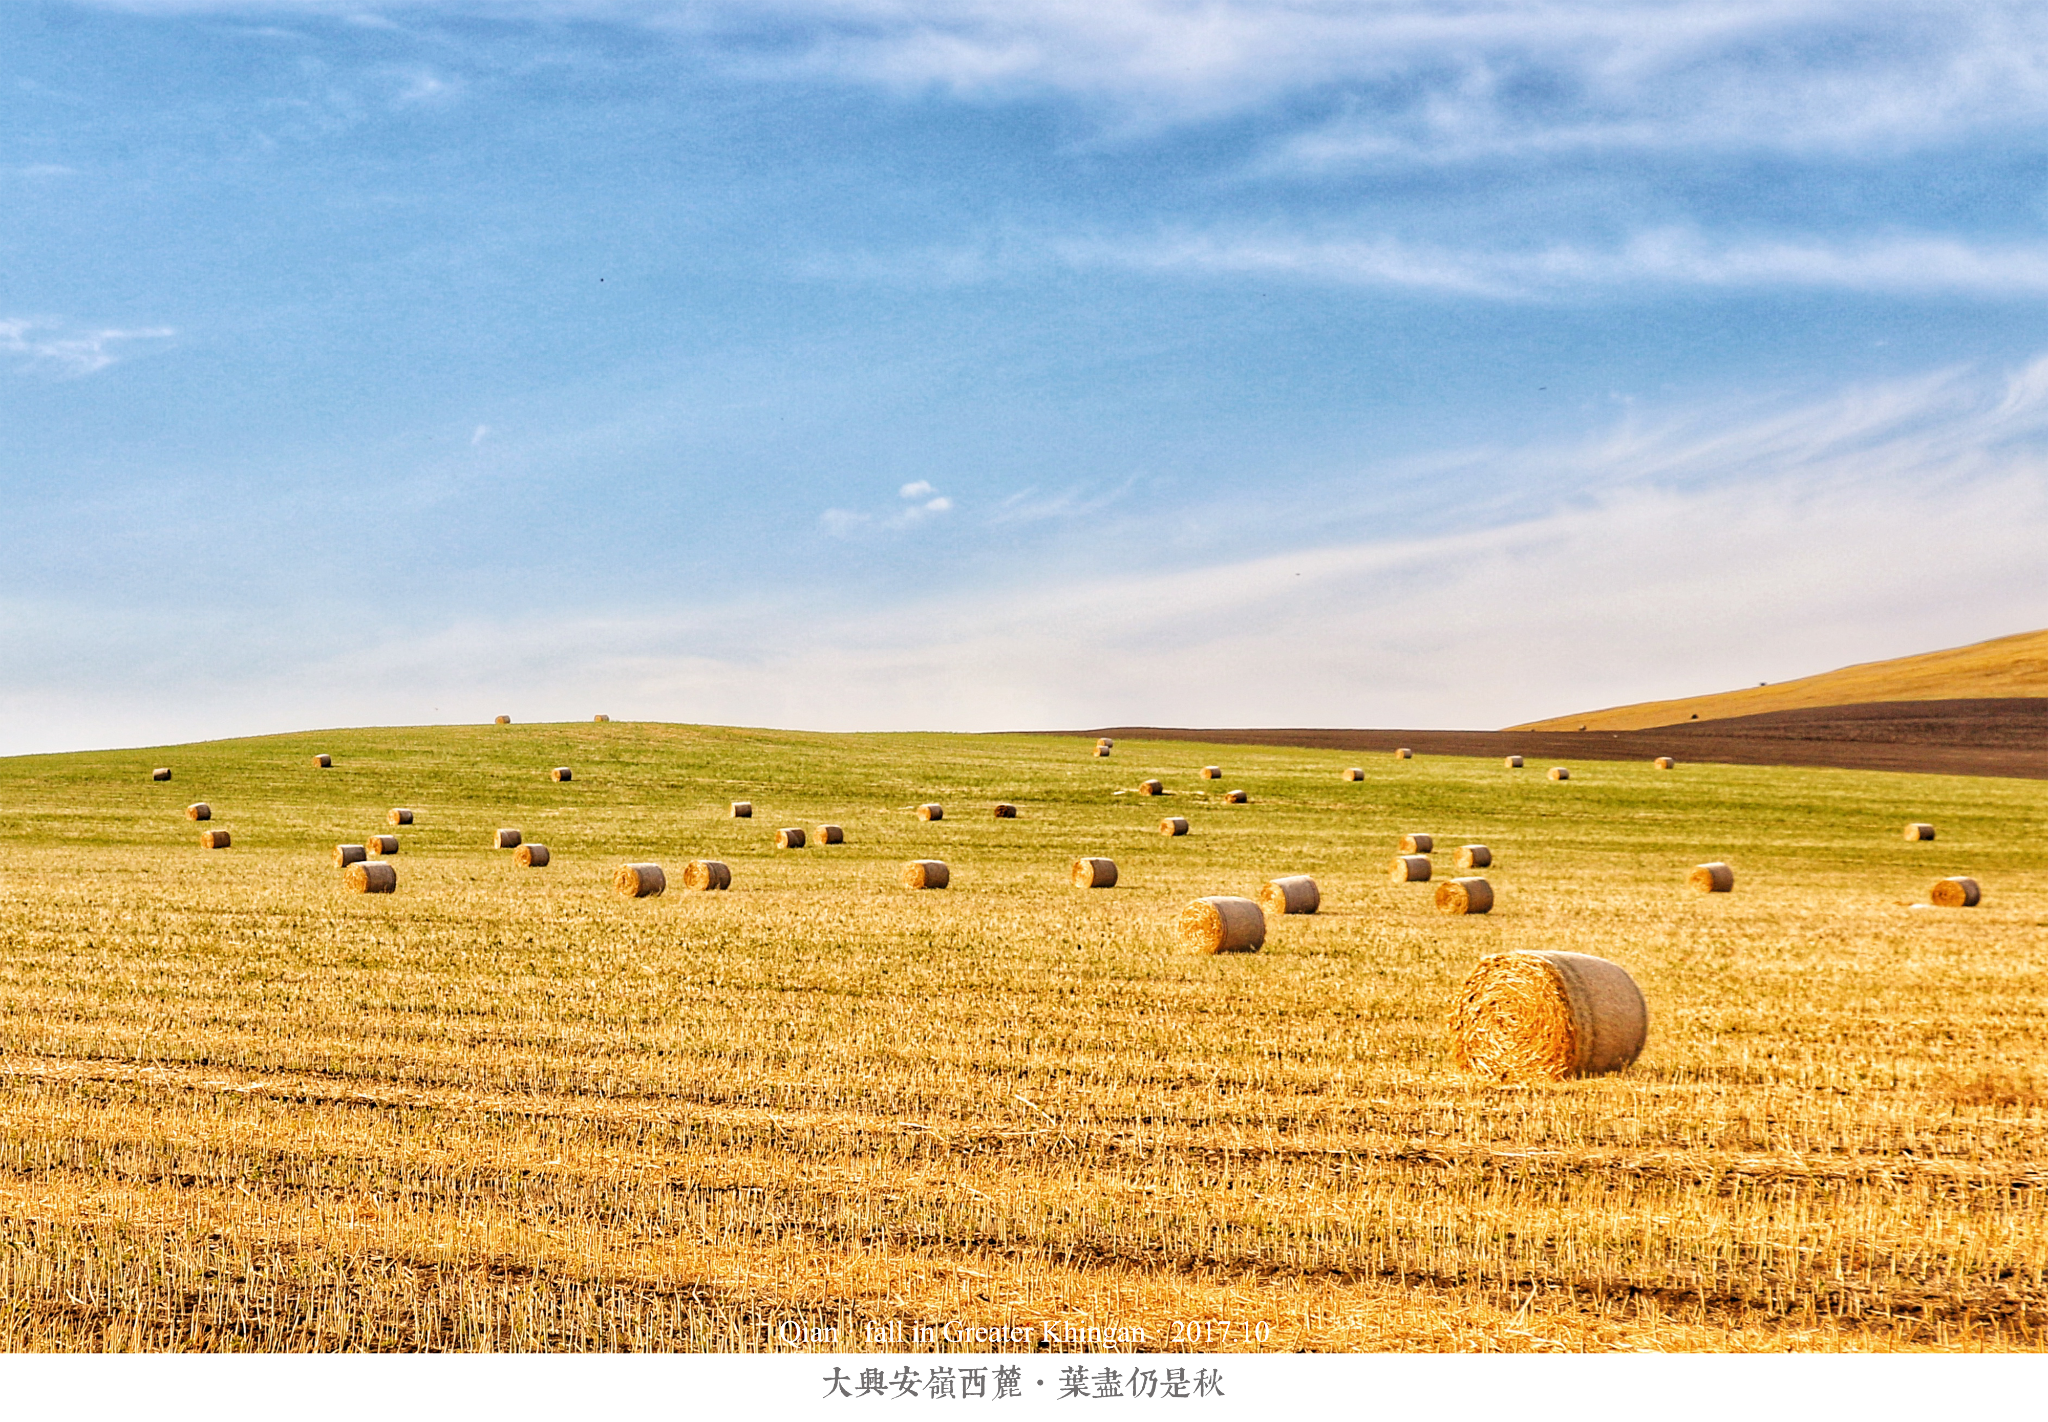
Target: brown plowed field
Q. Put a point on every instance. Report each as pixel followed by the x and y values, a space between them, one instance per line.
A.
pixel 1989 736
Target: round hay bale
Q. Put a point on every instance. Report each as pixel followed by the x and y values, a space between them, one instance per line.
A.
pixel 1404 754
pixel 214 839
pixel 1513 762
pixel 504 720
pixel 400 817
pixel 1151 787
pixel 1919 832
pixel 323 761
pixel 1236 797
pixel 600 718
pixel 382 844
pixel 1222 924
pixel 1291 893
pixel 506 839
pixel 531 856
pixel 1105 742
pixel 1102 750
pixel 639 881
pixel 162 772
pixel 1464 896
pixel 743 809
pixel 791 838
pixel 1418 843
pixel 707 875
pixel 1173 825
pixel 1715 878
pixel 1472 856
pixel 561 772
pixel 1212 772
pixel 1355 773
pixel 200 811
pixel 831 834
pixel 1558 772
pixel 1409 869
pixel 1954 893
pixel 926 874
pixel 370 877
pixel 347 854
pixel 1664 762
pixel 1548 1017
pixel 1095 873
pixel 1006 811
pixel 931 812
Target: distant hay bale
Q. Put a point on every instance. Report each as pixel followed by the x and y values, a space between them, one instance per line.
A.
pixel 1715 878
pixel 1548 1016
pixel 400 817
pixel 382 844
pixel 1173 825
pixel 1404 754
pixel 931 812
pixel 506 839
pixel 347 854
pixel 1954 893
pixel 1409 869
pixel 504 720
pixel 926 874
pixel 743 809
pixel 1222 924
pixel 1151 787
pixel 639 881
pixel 213 839
pixel 1919 832
pixel 1558 772
pixel 323 761
pixel 707 875
pixel 1663 762
pixel 561 772
pixel 1465 896
pixel 1418 843
pixel 199 811
pixel 1005 811
pixel 1105 742
pixel 1355 773
pixel 1102 750
pixel 600 718
pixel 1236 797
pixel 162 772
pixel 831 834
pixel 531 856
pixel 1513 762
pixel 1094 873
pixel 791 838
pixel 1212 772
pixel 1472 856
pixel 1291 893
pixel 373 877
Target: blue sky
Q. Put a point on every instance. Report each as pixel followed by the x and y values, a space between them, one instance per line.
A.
pixel 892 363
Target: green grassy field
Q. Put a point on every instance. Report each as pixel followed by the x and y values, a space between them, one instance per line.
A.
pixel 510 1109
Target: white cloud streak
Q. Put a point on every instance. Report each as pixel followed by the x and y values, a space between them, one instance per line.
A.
pixel 53 346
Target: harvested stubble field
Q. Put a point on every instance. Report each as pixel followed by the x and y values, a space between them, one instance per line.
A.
pixel 505 1108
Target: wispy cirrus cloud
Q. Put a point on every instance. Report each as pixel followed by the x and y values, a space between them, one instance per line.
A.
pixel 56 347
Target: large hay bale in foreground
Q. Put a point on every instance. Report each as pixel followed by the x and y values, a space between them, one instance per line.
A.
pixel 639 881
pixel 1954 893
pixel 1236 797
pixel 531 856
pixel 505 839
pixel 1212 772
pixel 707 875
pixel 347 854
pixel 926 874
pixel 1513 762
pixel 561 772
pixel 214 839
pixel 382 844
pixel 1548 1016
pixel 373 877
pixel 1173 825
pixel 1418 843
pixel 400 817
pixel 1151 787
pixel 1005 811
pixel 1714 878
pixel 831 834
pixel 1409 869
pixel 1222 924
pixel 1472 856
pixel 323 761
pixel 1291 893
pixel 1917 832
pixel 504 720
pixel 1559 772
pixel 1094 873
pixel 199 811
pixel 1663 762
pixel 162 772
pixel 1404 754
pixel 1354 773
pixel 743 809
pixel 931 812
pixel 1465 896
pixel 791 838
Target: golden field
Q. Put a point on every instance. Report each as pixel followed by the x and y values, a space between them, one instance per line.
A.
pixel 508 1109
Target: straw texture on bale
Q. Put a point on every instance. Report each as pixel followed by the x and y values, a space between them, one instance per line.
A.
pixel 1954 893
pixel 1355 773
pixel 1236 797
pixel 639 881
pixel 373 877
pixel 931 812
pixel 791 838
pixel 381 844
pixel 200 811
pixel 1715 878
pixel 1409 869
pixel 1006 811
pixel 531 856
pixel 162 772
pixel 1151 787
pixel 831 834
pixel 1919 832
pixel 600 718
pixel 1222 924
pixel 323 761
pixel 1404 754
pixel 1173 825
pixel 1664 762
pixel 506 839
pixel 1464 896
pixel 743 809
pixel 926 874
pixel 400 817
pixel 707 875
pixel 213 839
pixel 1548 1016
pixel 1094 873
pixel 1558 772
pixel 1212 772
pixel 1472 856
pixel 347 854
pixel 1513 762
pixel 561 772
pixel 1418 843
pixel 504 720
pixel 1291 893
